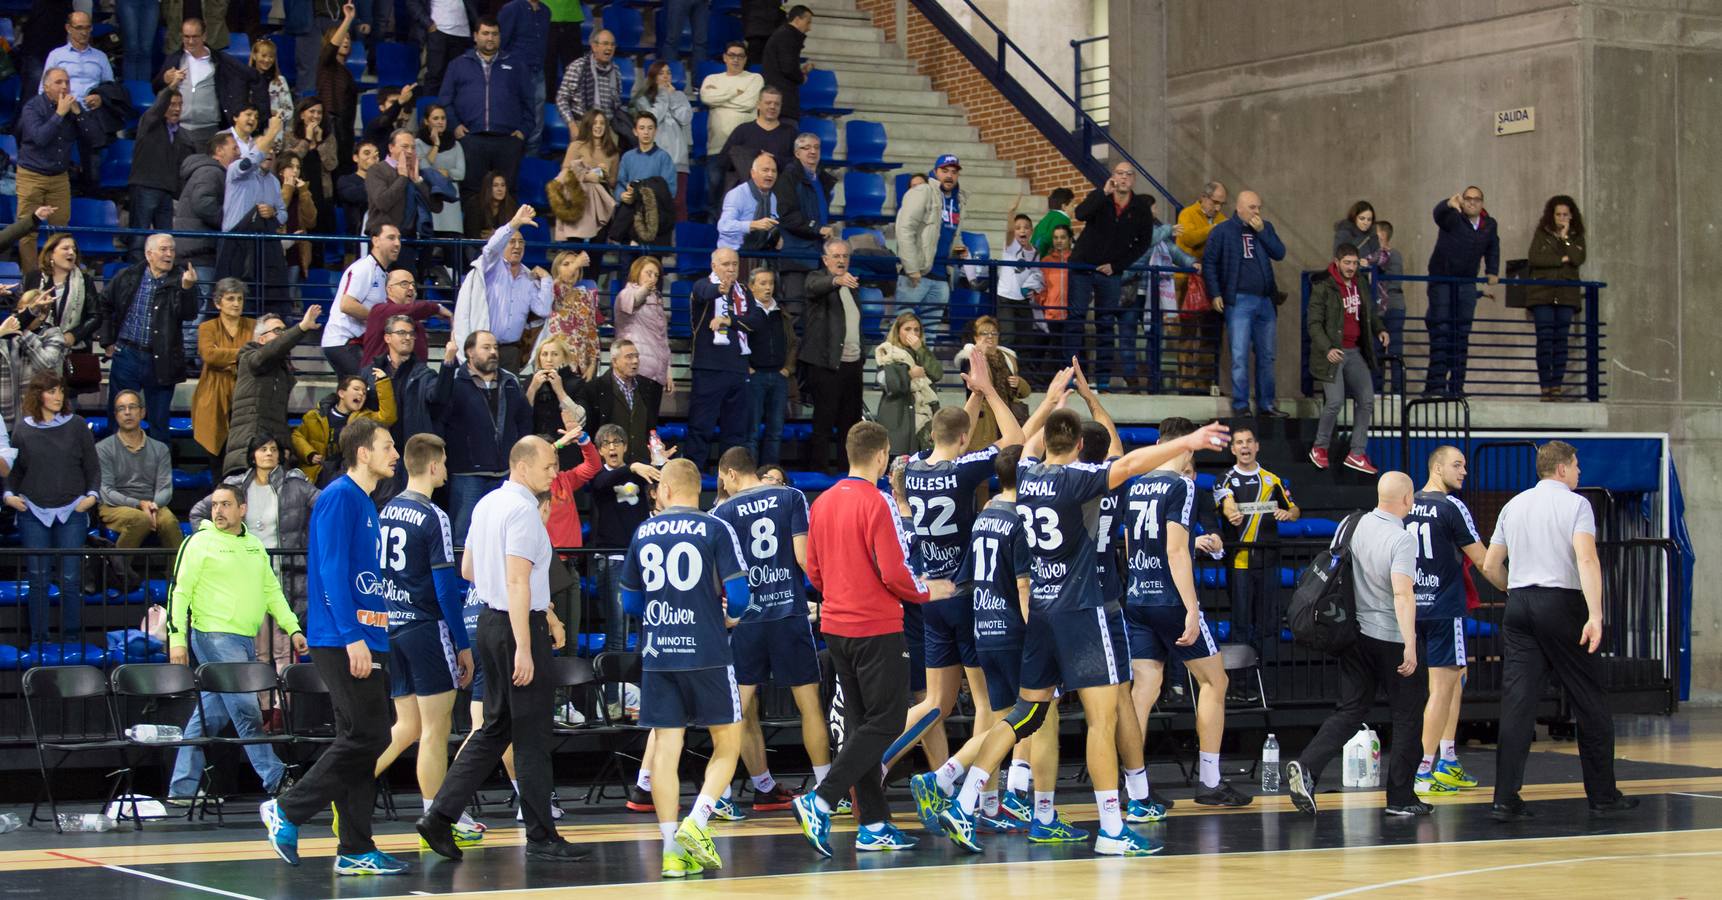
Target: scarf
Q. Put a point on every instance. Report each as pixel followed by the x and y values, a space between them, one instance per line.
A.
pixel 605 86
pixel 71 304
pixel 921 389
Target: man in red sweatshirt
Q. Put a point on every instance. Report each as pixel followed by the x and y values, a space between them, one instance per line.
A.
pixel 857 559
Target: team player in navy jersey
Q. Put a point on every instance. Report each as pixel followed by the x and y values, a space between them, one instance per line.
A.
pixel 1161 611
pixel 685 578
pixel 1067 641
pixel 1446 536
pixel 774 639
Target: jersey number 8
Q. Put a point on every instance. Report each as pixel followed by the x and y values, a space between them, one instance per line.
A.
pixel 763 545
pixel 681 568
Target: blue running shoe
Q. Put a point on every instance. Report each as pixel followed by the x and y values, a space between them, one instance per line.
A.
pixel 375 862
pixel 726 810
pixel 1126 843
pixel 887 838
pixel 959 826
pixel 1061 831
pixel 815 824
pixel 1452 774
pixel 929 800
pixel 1140 812
pixel 999 824
pixel 283 835
pixel 1015 807
pixel 844 808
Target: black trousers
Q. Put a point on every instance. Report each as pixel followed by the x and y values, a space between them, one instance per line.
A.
pixel 1368 664
pixel 440 50
pixel 873 674
pixel 836 398
pixel 345 774
pixel 1542 633
pixel 512 715
pixel 486 153
pixel 720 401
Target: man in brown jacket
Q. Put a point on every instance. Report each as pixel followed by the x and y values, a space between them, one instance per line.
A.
pixel 399 195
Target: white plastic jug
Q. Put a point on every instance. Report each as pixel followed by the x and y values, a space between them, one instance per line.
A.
pixel 1362 759
pixel 1374 759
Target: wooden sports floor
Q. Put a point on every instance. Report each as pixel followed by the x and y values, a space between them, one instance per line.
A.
pixel 1671 846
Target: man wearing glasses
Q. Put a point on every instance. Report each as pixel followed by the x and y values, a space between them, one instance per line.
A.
pixel 264 385
pixel 730 98
pixel 1468 236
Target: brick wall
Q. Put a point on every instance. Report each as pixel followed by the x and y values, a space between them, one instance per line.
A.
pixel 1000 124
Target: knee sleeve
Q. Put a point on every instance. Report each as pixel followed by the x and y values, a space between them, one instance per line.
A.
pixel 1026 717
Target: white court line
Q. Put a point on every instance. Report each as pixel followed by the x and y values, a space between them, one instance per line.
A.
pixel 154 877
pixel 1705 796
pixel 1507 868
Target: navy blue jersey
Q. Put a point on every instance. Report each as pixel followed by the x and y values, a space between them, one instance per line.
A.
pixel 417 540
pixel 1152 502
pixel 942 507
pixel 1108 530
pixel 767 518
pixel 998 556
pixel 1060 508
pixel 1442 526
pixel 679 561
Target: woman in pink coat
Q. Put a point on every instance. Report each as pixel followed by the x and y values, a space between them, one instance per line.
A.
pixel 643 316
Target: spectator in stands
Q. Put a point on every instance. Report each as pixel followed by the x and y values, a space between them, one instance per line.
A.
pixel 1344 329
pixel 301 210
pixel 138 21
pixel 70 300
pixel 553 390
pixel 1199 219
pixel 645 190
pixel 317 440
pixel 804 204
pixel 593 81
pixel 401 300
pixel 350 188
pixel 137 479
pixel 760 20
pixel 362 286
pixel 47 132
pixel 488 100
pixel 1052 304
pixel 588 172
pixel 1059 206
pixel 215 86
pixel 566 16
pixel 1118 228
pixel 403 362
pixel 573 315
pixel 908 372
pixel 830 352
pixel 1016 286
pixel 645 160
pixel 770 366
pixel 448 27
pixel 315 146
pixel 928 219
pixel 201 204
pixel 394 112
pixel 767 132
pixel 749 219
pixel 336 86
pixel 244 129
pixel 52 485
pixel 1006 376
pixel 266 63
pixel 489 209
pixel 214 10
pixel 264 385
pixel 1390 299
pixel 782 65
pixel 85 67
pixel 621 502
pixel 1196 334
pixel 730 98
pixel 1468 236
pixel 659 96
pixel 511 292
pixel 1237 266
pixel 437 148
pixel 252 204
pixel 1358 230
pixel 525 26
pixel 400 195
pixel 1157 293
pixel 627 400
pixel 148 305
pixel 724 315
pixel 694 15
pixel 28 347
pixel 156 159
pixel 1557 251
pixel 481 412
pixel 219 341
pixel 643 317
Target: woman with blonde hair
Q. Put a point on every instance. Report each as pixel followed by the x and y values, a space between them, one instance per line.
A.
pixel 582 197
pixel 552 389
pixel 574 316
pixel 643 316
pixel 907 372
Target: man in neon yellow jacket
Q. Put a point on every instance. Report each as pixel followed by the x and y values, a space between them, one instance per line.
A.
pixel 222 586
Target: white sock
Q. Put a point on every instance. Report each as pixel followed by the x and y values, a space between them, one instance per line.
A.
pixel 947 776
pixel 728 791
pixel 702 813
pixel 874 828
pixel 1044 811
pixel 668 830
pixel 1209 763
pixel 1449 752
pixel 970 796
pixel 1426 766
pixel 465 818
pixel 643 781
pixel 1111 815
pixel 990 803
pixel 819 773
pixel 1020 774
pixel 428 802
pixel 763 783
pixel 1136 783
pixel 819 802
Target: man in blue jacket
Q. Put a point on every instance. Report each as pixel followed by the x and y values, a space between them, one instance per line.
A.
pixel 348 630
pixel 1468 236
pixel 481 412
pixel 1238 266
pixel 724 314
pixel 488 96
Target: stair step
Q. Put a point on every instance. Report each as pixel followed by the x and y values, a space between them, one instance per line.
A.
pixel 819 47
pixel 843 31
pixel 870 78
pixel 919 99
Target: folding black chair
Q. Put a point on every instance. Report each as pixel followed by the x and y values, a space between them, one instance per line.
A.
pixel 614 667
pixel 82 721
pixel 238 678
pixel 154 693
pixel 310 719
pixel 1242 663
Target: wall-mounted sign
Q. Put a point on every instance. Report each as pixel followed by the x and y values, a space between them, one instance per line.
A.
pixel 1514 121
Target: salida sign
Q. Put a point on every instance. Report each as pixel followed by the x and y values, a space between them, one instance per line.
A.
pixel 1515 121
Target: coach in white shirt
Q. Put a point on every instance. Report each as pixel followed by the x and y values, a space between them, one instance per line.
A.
pixel 1544 553
pixel 363 285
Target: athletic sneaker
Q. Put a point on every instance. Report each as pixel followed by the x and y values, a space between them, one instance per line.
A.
pixel 929 800
pixel 464 836
pixel 1427 786
pixel 999 824
pixel 638 800
pixel 681 865
pixel 1138 812
pixel 844 808
pixel 1126 843
pixel 697 841
pixel 375 862
pixel 555 809
pixel 1360 462
pixel 726 810
pixel 1453 775
pixel 959 826
pixel 1222 794
pixel 888 838
pixel 1301 787
pixel 815 825
pixel 1414 808
pixel 283 835
pixel 777 798
pixel 1155 798
pixel 1061 831
pixel 1318 456
pixel 334 821
pixel 1015 807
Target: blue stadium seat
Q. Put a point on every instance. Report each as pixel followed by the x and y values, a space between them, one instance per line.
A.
pixel 872 303
pixel 827 131
pixel 88 213
pixel 694 196
pixel 819 95
pixel 629 27
pixel 977 244
pixel 684 41
pixel 117 163
pixel 9 271
pixel 965 306
pixel 697 241
pixel 142 94
pixel 681 315
pixel 318 286
pixel 864 198
pixel 370 106
pixel 286 56
pixel 9 146
pixel 556 136
pixel 239 45
pixel 397 64
pixel 864 145
pixel 534 175
pixel 707 67
pixel 901 183
pixel 697 138
pixel 720 30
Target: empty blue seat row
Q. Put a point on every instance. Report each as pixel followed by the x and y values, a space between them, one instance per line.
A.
pixel 13 593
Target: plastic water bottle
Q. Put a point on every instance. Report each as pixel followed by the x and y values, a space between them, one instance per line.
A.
pixel 154 734
pixel 9 822
pixel 1271 766
pixel 656 445
pixel 70 822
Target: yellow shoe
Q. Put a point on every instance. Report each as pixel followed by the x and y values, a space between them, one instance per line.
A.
pixel 697 842
pixel 335 821
pixel 681 865
pixel 1453 775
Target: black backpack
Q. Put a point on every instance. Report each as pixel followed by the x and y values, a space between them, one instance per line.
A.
pixel 1323 610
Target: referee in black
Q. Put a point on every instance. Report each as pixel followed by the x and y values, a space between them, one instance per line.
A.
pixel 1553 624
